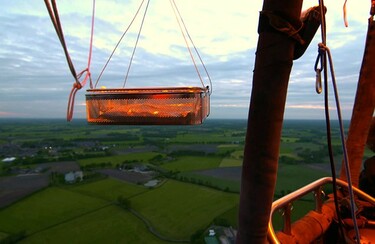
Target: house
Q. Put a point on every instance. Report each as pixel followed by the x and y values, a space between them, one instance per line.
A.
pixel 72 177
pixel 8 160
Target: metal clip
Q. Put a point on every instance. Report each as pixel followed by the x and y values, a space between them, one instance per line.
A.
pixel 318 82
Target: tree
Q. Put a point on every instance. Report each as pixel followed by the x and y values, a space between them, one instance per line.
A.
pixel 124 202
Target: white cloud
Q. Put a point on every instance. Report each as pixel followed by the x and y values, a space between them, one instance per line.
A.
pixel 36 80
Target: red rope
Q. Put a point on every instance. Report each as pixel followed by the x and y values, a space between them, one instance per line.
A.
pixel 79 85
pixel 53 12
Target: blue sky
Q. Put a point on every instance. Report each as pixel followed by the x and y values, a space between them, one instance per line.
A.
pixel 35 79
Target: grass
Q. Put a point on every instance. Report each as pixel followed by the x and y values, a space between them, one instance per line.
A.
pixel 119 159
pixel 191 163
pixel 48 207
pixel 231 162
pixel 292 177
pixel 3 235
pixel 215 182
pixel 289 139
pixel 109 189
pixel 231 216
pixel 85 213
pixel 187 138
pixel 177 210
pixel 237 154
pixel 108 225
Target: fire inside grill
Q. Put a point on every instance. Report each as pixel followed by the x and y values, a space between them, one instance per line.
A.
pixel 148 106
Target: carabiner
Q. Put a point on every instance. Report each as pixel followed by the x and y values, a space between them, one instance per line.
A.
pixel 318 82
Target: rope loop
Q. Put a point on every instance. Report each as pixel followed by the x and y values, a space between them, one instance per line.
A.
pixel 322 48
pixel 77 85
pixel 54 15
pixel 325 59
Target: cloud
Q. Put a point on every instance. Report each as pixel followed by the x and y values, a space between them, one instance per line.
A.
pixel 35 79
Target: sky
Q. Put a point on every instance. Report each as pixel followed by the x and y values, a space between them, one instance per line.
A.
pixel 36 81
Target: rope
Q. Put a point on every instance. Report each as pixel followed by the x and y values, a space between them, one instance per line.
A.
pixel 178 18
pixel 118 43
pixel 345 15
pixel 136 43
pixel 54 15
pixel 182 28
pixel 323 54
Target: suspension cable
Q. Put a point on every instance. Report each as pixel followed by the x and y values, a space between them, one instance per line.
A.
pixel 54 15
pixel 136 44
pixel 182 26
pixel 325 53
pixel 118 43
pixel 322 60
pixel 179 18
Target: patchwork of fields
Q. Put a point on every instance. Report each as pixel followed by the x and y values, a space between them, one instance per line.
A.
pixel 198 170
pixel 89 212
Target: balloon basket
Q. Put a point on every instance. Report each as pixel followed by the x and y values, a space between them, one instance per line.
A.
pixel 148 106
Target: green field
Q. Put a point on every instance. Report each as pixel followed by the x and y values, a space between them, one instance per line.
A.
pixel 214 182
pixel 190 163
pixel 208 138
pixel 189 198
pixel 231 162
pixel 109 189
pixel 46 208
pixel 119 159
pixel 107 225
pixel 231 216
pixel 292 177
pixel 178 209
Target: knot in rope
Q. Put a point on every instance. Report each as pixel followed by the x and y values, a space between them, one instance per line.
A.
pixel 77 85
pixel 322 48
pixel 69 113
pixel 54 14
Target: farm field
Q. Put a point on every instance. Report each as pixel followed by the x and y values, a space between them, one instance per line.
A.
pixel 190 163
pixel 196 169
pixel 107 225
pixel 46 208
pixel 179 209
pixel 109 189
pixel 118 159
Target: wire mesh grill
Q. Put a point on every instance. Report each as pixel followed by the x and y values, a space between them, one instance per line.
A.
pixel 148 106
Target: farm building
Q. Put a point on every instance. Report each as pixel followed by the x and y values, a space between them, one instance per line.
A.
pixel 72 177
pixel 8 160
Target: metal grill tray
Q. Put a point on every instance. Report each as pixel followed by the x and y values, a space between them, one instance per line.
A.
pixel 148 106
